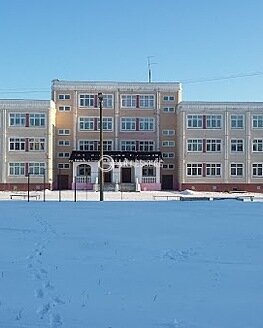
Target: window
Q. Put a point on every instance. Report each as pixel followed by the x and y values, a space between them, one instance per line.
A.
pixel 213 169
pixel 168 155
pixel 17 144
pixel 86 100
pixel 213 145
pixel 237 121
pixel 168 98
pixel 63 132
pixel 86 123
pixel 63 143
pixel 168 166
pixel 237 145
pixel 194 169
pixel 63 166
pixel 236 169
pixel 194 145
pixel 195 121
pixel 128 101
pixel 107 145
pixel 64 108
pixel 213 121
pixel 169 109
pixel 168 143
pixel 257 145
pixel 107 124
pixel 146 101
pixel 146 124
pixel 257 169
pixel 168 132
pixel 17 119
pixel 63 155
pixel 36 168
pixel 146 145
pixel 17 169
pixel 107 101
pixel 128 145
pixel 88 145
pixel 63 97
pixel 148 171
pixel 36 144
pixel 128 124
pixel 257 121
pixel 37 120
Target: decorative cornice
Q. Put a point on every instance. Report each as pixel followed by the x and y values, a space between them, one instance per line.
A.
pixel 203 106
pixel 26 104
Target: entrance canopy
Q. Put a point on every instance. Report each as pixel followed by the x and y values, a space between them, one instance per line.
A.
pixel 117 156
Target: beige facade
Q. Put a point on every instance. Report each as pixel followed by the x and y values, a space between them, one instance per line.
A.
pixel 26 143
pixel 220 146
pixel 136 117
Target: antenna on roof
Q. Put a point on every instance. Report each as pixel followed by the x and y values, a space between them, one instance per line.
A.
pixel 150 68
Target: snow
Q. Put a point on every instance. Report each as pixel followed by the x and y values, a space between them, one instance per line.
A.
pixel 121 264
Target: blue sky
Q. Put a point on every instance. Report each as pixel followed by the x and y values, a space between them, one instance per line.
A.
pixel 198 43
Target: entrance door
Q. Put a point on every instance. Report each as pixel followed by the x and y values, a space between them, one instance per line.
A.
pixel 126 175
pixel 167 182
pixel 62 182
pixel 107 177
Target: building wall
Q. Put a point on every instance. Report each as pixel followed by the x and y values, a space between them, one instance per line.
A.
pixel 236 146
pixel 26 143
pixel 166 95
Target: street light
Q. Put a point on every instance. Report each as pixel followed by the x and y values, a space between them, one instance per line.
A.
pixel 101 177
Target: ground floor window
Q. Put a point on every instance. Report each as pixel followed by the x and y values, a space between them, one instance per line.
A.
pixel 236 169
pixel 194 169
pixel 36 168
pixel 213 169
pixel 16 169
pixel 257 169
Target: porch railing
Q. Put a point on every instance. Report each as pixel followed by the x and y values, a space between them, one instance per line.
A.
pixel 148 179
pixel 83 179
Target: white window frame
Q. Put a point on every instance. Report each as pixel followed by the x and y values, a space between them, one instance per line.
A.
pixel 194 121
pixel 63 154
pixel 213 145
pixel 237 121
pixel 63 96
pixel 128 124
pixel 213 169
pixel 17 144
pixel 107 101
pixel 64 108
pixel 86 124
pixel 237 146
pixel 36 168
pixel 146 124
pixel 213 121
pixel 128 145
pixel 63 143
pixel 194 145
pixel 107 123
pixel 169 109
pixel 36 144
pixel 167 166
pixel 194 169
pixel 16 169
pixel 63 166
pixel 236 169
pixel 167 155
pixel 257 145
pixel 87 100
pixel 37 120
pixel 17 119
pixel 257 121
pixel 167 132
pixel 168 98
pixel 257 170
pixel 146 145
pixel 64 132
pixel 168 143
pixel 128 101
pixel 147 101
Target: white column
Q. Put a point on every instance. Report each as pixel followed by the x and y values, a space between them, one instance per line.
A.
pixel 94 171
pixel 138 171
pixel 158 173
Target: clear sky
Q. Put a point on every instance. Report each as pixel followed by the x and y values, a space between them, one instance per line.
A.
pixel 199 43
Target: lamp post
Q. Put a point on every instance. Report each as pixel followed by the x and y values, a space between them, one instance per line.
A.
pixel 101 177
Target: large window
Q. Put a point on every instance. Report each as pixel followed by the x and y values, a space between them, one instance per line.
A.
pixel 107 124
pixel 86 100
pixel 257 169
pixel 236 169
pixel 37 120
pixel 86 123
pixel 194 169
pixel 213 169
pixel 36 168
pixel 17 169
pixel 128 124
pixel 213 121
pixel 128 145
pixel 88 145
pixel 257 145
pixel 257 121
pixel 107 101
pixel 146 124
pixel 237 145
pixel 213 145
pixel 36 144
pixel 146 101
pixel 146 145
pixel 194 145
pixel 17 119
pixel 128 101
pixel 195 121
pixel 17 144
pixel 237 121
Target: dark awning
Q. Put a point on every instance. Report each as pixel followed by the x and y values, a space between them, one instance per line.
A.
pixel 118 156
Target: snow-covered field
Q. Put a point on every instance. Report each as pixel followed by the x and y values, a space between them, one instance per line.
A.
pixel 131 264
